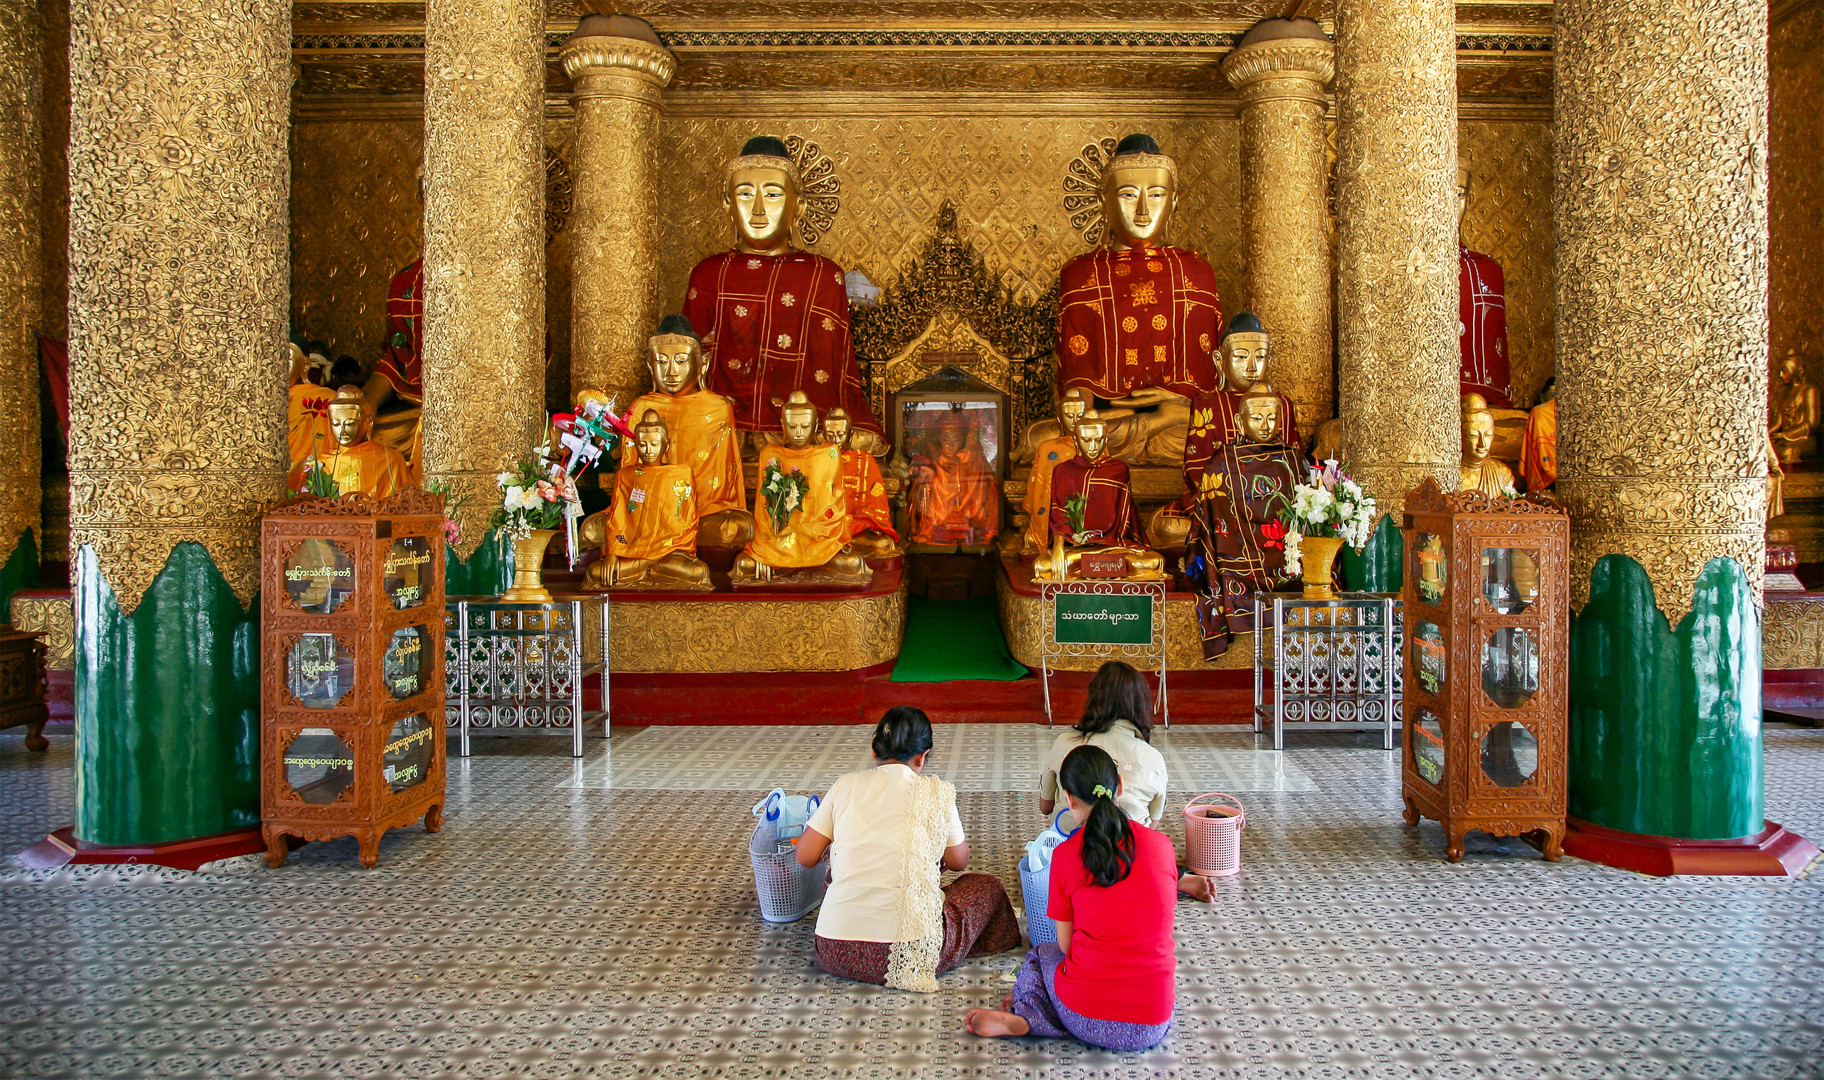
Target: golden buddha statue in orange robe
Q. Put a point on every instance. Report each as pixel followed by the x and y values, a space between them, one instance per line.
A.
pixel 1072 404
pixel 1490 476
pixel 955 498
pixel 356 463
pixel 651 540
pixel 1539 447
pixel 801 511
pixel 871 530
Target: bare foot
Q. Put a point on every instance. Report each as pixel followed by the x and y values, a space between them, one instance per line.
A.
pixel 993 1024
pixel 1197 887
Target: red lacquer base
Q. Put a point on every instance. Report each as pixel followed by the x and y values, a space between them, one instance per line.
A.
pixel 61 848
pixel 1774 852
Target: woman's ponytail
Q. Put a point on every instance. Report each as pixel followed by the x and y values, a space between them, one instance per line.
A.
pixel 1108 839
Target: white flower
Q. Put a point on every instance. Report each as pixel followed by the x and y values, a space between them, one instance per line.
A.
pixel 1294 553
pixel 791 499
pixel 504 479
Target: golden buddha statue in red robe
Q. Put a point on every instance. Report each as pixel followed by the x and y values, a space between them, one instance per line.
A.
pixel 1072 404
pixel 871 530
pixel 358 464
pixel 955 498
pixel 1138 320
pixel 1092 511
pixel 775 321
pixel 1481 315
pixel 651 540
pixel 801 511
pixel 395 391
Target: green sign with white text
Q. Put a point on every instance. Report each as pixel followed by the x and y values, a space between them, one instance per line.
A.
pixel 1090 619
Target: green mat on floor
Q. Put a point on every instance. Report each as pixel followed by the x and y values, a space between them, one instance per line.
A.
pixel 954 639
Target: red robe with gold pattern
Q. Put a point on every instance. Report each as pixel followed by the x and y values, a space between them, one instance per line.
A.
pixel 1235 528
pixel 1135 318
pixel 400 355
pixel 1482 327
pixel 772 324
pixel 1216 423
pixel 1109 513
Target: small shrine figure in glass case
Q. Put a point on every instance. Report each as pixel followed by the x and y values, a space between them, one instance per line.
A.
pixel 955 495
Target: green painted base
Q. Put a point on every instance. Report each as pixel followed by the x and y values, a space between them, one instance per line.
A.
pixel 20 572
pixel 1665 725
pixel 167 706
pixel 488 572
pixel 1378 566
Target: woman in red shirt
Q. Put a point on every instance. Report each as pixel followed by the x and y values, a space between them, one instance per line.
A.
pixel 1109 980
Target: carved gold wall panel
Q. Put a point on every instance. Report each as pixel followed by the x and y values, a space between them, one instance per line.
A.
pixel 1510 219
pixel 847 634
pixel 1795 168
pixel 178 163
pixel 53 617
pixel 1792 632
pixel 21 86
pixel 1661 209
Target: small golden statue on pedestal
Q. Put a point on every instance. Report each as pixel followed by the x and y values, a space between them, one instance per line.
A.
pixel 356 462
pixel 1092 511
pixel 1057 442
pixel 801 512
pixel 871 529
pixel 1480 472
pixel 1793 412
pixel 651 538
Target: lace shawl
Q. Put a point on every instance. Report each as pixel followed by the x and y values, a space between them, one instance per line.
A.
pixel 919 922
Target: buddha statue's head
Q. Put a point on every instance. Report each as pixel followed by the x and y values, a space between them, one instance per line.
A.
pixel 1787 370
pixel 1242 355
pixel 1259 415
pixel 1549 390
pixel 1139 193
pixel 798 420
pixel 836 427
pixel 762 196
pixel 347 412
pixel 1072 404
pixel 675 355
pixel 1092 436
pixel 651 438
pixel 1463 177
pixel 1478 429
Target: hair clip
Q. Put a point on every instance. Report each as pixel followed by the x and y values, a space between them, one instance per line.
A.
pixel 1101 792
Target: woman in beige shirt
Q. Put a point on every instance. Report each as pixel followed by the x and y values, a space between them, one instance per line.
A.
pixel 1119 719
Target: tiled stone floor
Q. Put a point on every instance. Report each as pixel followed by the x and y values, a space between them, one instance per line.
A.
pixel 561 928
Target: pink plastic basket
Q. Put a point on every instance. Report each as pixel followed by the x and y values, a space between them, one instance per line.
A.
pixel 1212 835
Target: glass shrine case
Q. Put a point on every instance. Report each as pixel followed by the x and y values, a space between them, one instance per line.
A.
pixel 951 429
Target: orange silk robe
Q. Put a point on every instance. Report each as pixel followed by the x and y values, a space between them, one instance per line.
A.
pixel 1038 489
pixel 1131 319
pixel 702 429
pixel 958 500
pixel 867 494
pixel 308 417
pixel 369 468
pixel 1539 448
pixel 654 512
pixel 817 528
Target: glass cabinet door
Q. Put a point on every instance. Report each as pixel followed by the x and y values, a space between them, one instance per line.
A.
pixel 1510 579
pixel 1510 667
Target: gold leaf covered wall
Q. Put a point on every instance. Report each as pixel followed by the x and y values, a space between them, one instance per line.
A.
pixel 1795 168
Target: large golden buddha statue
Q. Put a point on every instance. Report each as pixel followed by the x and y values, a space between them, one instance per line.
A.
pixel 871 530
pixel 651 529
pixel 1793 413
pixel 775 321
pixel 1092 514
pixel 1138 319
pixel 1490 476
pixel 1481 315
pixel 356 462
pixel 801 511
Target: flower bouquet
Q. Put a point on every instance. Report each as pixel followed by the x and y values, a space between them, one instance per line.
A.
pixel 537 498
pixel 1324 513
pixel 783 492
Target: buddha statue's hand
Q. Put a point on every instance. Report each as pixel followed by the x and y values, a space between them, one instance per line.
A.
pixel 1148 396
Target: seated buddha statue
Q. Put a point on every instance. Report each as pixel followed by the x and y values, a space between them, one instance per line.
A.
pixel 1481 315
pixel 775 321
pixel 1236 527
pixel 1092 512
pixel 801 511
pixel 871 530
pixel 307 408
pixel 1793 413
pixel 651 527
pixel 1539 446
pixel 954 496
pixel 356 463
pixel 1062 446
pixel 1490 476
pixel 395 391
pixel 1138 319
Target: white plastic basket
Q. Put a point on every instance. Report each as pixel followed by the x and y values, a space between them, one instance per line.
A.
pixel 787 891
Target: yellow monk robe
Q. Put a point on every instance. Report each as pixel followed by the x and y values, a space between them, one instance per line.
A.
pixel 816 524
pixel 369 468
pixel 867 494
pixel 308 420
pixel 1038 489
pixel 702 430
pixel 1539 448
pixel 654 512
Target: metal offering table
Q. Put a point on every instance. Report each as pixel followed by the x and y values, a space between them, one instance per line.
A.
pixel 521 666
pixel 1335 663
pixel 1113 619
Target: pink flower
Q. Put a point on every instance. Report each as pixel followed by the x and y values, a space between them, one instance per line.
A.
pixel 450 533
pixel 547 491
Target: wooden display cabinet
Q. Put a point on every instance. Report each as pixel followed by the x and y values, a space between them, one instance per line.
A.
pixel 351 669
pixel 1487 619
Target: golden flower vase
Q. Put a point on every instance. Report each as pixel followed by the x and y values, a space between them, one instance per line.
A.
pixel 1318 566
pixel 529 569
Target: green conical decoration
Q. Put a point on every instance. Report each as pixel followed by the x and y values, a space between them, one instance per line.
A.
pixel 1378 567
pixel 1665 725
pixel 20 572
pixel 488 572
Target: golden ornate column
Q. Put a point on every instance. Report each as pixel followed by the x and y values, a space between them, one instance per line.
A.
pixel 484 246
pixel 179 175
pixel 21 284
pixel 1396 244
pixel 617 68
pixel 1281 69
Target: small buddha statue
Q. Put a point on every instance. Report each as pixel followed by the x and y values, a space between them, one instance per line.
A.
pixel 871 529
pixel 1054 448
pixel 651 540
pixel 357 463
pixel 775 321
pixel 1539 446
pixel 1138 319
pixel 801 511
pixel 395 391
pixel 955 497
pixel 307 407
pixel 1793 413
pixel 1481 315
pixel 1236 526
pixel 1490 476
pixel 1092 511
